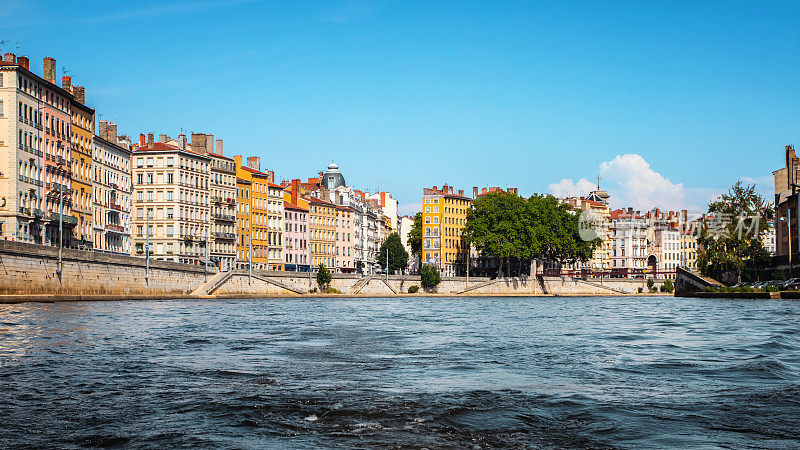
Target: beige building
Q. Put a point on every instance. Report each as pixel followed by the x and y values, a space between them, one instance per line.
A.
pixel 628 236
pixel 172 201
pixel 768 238
pixel 223 201
pixel 35 186
pixel 112 187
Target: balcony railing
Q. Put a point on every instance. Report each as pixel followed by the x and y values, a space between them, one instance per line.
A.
pixel 115 228
pixel 220 235
pixel 67 220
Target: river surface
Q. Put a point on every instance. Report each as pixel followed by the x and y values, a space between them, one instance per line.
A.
pixel 403 372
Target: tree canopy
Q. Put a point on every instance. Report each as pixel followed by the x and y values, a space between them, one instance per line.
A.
pixel 398 256
pixel 324 276
pixel 507 226
pixel 415 236
pixel 429 276
pixel 730 245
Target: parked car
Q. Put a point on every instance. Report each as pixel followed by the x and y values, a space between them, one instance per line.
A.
pixel 791 283
pixel 758 285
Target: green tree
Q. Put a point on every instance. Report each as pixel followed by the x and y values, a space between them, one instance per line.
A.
pixel 415 236
pixel 508 227
pixel 730 246
pixel 553 231
pixel 398 256
pixel 323 276
pixel 495 226
pixel 430 276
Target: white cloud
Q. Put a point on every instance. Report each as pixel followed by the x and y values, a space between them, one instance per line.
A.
pixel 765 185
pixel 636 184
pixel 632 182
pixel 569 188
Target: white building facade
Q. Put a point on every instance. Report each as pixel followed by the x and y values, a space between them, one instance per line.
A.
pixel 112 187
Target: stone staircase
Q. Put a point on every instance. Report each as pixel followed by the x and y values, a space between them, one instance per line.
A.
pixel 602 286
pixel 360 285
pixel 217 281
pixel 212 284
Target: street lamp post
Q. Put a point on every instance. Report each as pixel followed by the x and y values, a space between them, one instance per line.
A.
pixel 60 226
pixel 205 268
pixel 250 259
pixel 147 247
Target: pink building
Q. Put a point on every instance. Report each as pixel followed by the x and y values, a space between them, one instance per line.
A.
pixel 295 237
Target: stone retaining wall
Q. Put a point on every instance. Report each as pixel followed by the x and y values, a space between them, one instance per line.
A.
pixel 28 269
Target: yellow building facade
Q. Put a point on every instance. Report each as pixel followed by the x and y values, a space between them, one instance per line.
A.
pixel 81 131
pixel 444 214
pixel 322 233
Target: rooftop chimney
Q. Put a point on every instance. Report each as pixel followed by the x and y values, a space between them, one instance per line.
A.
pixel 9 57
pixel 295 190
pixel 112 133
pixel 162 138
pixel 150 138
pixel 49 71
pixel 219 147
pixel 102 129
pixel 199 143
pixel 461 192
pixel 254 162
pixel 141 140
pixel 23 61
pixel 80 94
pixel 483 191
pixel 66 83
pixel 209 143
pixel 182 141
pixel 474 191
pixel 445 188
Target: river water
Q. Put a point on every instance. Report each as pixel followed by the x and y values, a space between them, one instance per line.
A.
pixel 402 372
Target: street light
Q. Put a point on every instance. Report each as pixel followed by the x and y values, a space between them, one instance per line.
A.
pixel 789 229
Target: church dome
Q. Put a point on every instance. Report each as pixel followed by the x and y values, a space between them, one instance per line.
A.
pixel 332 178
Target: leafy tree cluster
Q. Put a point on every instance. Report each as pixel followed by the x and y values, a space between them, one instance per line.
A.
pixel 430 276
pixel 730 246
pixel 415 236
pixel 510 227
pixel 398 256
pixel 324 276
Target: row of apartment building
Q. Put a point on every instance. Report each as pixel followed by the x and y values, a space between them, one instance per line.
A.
pixel 633 243
pixel 62 180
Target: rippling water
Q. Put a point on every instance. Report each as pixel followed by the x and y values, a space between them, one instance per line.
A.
pixel 410 372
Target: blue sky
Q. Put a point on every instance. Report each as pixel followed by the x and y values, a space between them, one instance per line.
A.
pixel 670 103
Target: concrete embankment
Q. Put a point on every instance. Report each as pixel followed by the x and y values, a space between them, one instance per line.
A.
pixel 30 273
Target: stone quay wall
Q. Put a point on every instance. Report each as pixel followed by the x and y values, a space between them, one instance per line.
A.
pixel 30 272
pixel 28 269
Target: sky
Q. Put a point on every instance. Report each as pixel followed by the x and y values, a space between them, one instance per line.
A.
pixel 669 104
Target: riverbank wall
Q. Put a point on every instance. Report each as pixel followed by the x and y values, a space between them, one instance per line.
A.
pixel 33 270
pixel 30 273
